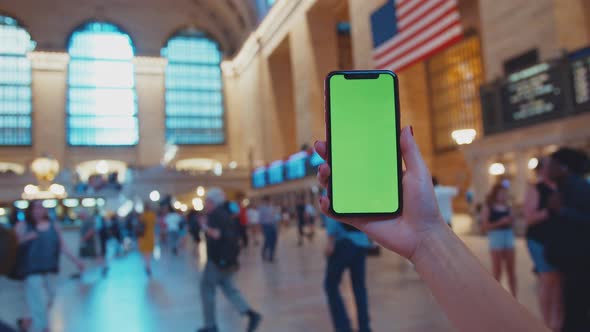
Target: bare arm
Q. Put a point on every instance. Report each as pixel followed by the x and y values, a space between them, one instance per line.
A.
pixel 531 211
pixel 213 233
pixel 469 295
pixel 485 218
pixel 22 234
pixel 330 245
pixel 88 235
pixel 66 250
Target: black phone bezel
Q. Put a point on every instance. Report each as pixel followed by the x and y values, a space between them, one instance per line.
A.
pixel 363 74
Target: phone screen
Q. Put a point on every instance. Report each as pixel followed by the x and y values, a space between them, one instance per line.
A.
pixel 363 139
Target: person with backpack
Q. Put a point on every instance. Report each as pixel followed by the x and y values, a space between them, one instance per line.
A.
pixel 44 243
pixel 346 250
pixel 223 247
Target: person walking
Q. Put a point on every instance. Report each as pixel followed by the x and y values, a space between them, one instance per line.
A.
pixel 173 220
pixel 222 236
pixel 568 247
pixel 497 220
pixel 444 198
pixel 346 250
pixel 253 223
pixel 45 244
pixel 300 208
pixel 243 219
pixel 269 220
pixel 87 236
pixel 539 228
pixel 146 236
pixel 104 234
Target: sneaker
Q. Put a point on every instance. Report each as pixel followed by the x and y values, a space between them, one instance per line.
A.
pixel 254 320
pixel 208 329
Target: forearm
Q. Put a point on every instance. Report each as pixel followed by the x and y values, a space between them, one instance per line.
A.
pixel 467 293
pixel 535 217
pixel 213 233
pixel 68 253
pixel 26 237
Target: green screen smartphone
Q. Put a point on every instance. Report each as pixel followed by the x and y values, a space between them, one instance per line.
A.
pixel 362 129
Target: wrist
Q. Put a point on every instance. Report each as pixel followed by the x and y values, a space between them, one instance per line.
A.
pixel 427 245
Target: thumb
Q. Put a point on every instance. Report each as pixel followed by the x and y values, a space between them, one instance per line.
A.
pixel 411 154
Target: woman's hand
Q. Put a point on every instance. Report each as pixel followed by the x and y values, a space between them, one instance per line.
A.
pixel 403 235
pixel 329 250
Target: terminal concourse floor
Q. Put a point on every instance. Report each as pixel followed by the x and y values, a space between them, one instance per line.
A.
pixel 288 292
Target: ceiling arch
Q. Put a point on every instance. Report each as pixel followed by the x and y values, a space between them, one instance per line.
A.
pixel 148 22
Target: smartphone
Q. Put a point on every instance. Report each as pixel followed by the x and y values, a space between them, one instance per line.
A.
pixel 363 130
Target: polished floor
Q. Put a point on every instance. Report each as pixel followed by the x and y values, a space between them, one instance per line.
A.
pixel 289 293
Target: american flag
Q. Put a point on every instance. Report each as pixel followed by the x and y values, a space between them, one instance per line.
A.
pixel 408 31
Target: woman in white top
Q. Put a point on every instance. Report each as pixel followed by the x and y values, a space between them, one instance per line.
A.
pixel 173 220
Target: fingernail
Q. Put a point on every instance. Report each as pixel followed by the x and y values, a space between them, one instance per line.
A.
pixel 412 130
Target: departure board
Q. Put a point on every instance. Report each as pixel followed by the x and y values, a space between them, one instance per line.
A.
pixel 532 94
pixel 580 67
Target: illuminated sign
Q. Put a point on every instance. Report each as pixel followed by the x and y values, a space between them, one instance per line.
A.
pixel 296 165
pixel 259 177
pixel 276 172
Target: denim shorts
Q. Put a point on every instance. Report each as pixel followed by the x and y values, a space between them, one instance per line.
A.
pixel 537 251
pixel 501 239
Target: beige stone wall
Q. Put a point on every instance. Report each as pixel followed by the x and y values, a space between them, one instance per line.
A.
pixel 571 18
pixel 512 27
pixel 49 120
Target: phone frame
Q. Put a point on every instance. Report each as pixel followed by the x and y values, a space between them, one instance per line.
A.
pixel 363 74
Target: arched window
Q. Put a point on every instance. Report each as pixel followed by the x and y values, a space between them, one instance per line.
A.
pixel 15 83
pixel 102 104
pixel 194 95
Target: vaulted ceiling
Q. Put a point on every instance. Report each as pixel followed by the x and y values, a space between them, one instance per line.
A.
pixel 148 22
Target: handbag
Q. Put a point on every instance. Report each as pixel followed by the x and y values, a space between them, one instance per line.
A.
pixel 20 268
pixel 8 250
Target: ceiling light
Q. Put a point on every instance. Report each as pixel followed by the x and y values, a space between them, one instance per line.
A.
pixel 533 163
pixel 497 169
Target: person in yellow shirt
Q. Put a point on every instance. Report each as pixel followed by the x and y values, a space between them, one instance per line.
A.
pixel 146 236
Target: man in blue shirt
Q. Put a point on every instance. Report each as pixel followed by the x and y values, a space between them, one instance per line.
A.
pixel 346 249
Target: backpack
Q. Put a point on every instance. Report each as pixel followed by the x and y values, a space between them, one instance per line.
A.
pixel 227 253
pixel 13 256
pixel 8 250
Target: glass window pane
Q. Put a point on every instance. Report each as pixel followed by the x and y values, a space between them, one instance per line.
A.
pixel 15 83
pixel 102 103
pixel 455 76
pixel 194 91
